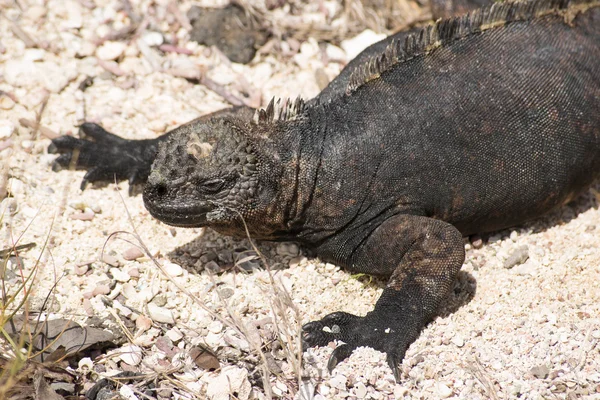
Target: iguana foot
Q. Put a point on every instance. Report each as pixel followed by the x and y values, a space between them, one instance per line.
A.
pixel 105 156
pixel 374 330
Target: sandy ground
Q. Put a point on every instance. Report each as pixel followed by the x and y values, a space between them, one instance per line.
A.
pixel 530 331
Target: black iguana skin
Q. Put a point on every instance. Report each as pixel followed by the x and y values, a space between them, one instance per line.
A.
pixel 477 124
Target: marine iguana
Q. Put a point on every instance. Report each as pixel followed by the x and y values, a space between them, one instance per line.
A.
pixel 474 124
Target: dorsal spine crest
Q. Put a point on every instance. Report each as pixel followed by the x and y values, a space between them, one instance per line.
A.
pixel 278 111
pixel 444 32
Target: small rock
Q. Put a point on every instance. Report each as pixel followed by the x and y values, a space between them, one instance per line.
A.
pixel 34 54
pixel 109 259
pixel 174 334
pixel 153 38
pixel 226 292
pixel 231 380
pixel 101 289
pixel 160 314
pixel 443 390
pixel 334 53
pixel 132 253
pixel 540 372
pixel 204 358
pixel 143 323
pixel 35 12
pixel 212 267
pixel 127 393
pixel 160 300
pixel 6 103
pixel 458 341
pixel 172 269
pixel 134 273
pixel 110 50
pixel 519 256
pixel 215 327
pixel 86 215
pixel 526 269
pixel 360 42
pixel 287 249
pixel 361 390
pixel 16 187
pixel 131 354
pixel 476 241
pixel 81 270
pixel 129 291
pixel 85 364
pixel 119 275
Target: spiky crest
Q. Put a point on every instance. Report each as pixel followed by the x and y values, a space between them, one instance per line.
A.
pixel 446 31
pixel 276 111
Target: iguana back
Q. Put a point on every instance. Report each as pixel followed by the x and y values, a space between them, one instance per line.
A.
pixel 484 132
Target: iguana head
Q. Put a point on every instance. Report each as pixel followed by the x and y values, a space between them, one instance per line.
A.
pixel 205 174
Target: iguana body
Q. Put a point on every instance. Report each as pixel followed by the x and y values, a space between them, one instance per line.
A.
pixel 477 124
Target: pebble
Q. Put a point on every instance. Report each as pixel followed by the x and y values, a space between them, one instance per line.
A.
pixel 215 327
pixel 231 380
pixel 361 390
pixel 132 253
pixel 204 359
pixel 540 372
pixel 16 187
pixel 86 215
pixel 160 314
pixel 81 270
pixel 526 269
pixel 109 259
pixel 85 364
pixel 134 273
pixel 288 249
pixel 160 300
pixel 34 54
pixel 517 257
pixel 128 290
pixel 131 354
pixel 212 267
pixel 35 12
pixel 443 390
pixel 127 393
pixel 101 290
pixel 334 53
pixel 153 38
pixel 6 103
pixel 354 46
pixel 172 269
pixel 110 50
pixel 226 292
pixel 119 276
pixel 458 341
pixel 143 323
pixel 174 334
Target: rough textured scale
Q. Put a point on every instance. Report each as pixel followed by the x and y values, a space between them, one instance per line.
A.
pixel 472 125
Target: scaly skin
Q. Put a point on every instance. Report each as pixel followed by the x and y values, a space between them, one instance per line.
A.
pixel 463 133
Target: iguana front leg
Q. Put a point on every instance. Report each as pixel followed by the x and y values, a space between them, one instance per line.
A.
pixel 104 155
pixel 423 256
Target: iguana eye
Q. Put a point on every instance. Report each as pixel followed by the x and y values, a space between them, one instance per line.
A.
pixel 212 186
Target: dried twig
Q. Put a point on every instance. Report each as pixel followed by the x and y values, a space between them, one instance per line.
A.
pixel 47 132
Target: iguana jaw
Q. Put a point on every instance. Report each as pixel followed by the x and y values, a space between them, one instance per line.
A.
pixel 182 214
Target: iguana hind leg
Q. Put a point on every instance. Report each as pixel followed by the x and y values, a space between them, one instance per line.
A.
pixel 423 256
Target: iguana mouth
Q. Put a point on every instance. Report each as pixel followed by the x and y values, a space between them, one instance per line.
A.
pixel 176 213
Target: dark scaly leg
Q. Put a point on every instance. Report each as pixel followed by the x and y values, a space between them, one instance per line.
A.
pixel 423 256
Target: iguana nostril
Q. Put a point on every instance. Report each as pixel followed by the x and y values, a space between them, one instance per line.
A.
pixel 160 189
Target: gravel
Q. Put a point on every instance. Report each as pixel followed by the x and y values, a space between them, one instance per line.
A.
pixel 523 321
